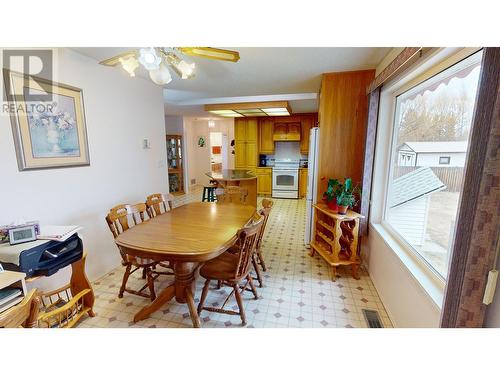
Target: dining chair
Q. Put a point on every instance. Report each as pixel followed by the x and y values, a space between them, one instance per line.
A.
pixel 118 222
pixel 24 314
pixel 258 258
pixel 231 194
pixel 231 269
pixel 157 204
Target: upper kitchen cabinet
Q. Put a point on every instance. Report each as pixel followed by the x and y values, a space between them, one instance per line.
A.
pixel 245 143
pixel 343 110
pixel 307 122
pixel 266 132
pixel 287 128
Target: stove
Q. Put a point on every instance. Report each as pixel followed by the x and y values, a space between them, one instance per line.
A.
pixel 286 179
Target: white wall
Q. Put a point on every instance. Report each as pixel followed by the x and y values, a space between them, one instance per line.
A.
pixel 198 158
pixel 174 125
pixel 457 159
pixel 120 111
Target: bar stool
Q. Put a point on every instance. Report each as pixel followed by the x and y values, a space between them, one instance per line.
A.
pixel 208 193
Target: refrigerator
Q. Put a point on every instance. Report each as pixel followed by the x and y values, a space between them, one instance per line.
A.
pixel 312 183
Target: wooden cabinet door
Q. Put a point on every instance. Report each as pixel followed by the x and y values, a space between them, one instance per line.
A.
pixel 264 181
pixel 240 125
pixel 251 130
pixel 305 128
pixel 293 131
pixel 266 131
pixel 239 154
pixel 251 155
pixel 303 182
pixel 280 131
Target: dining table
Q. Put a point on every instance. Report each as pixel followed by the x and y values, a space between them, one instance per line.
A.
pixel 186 237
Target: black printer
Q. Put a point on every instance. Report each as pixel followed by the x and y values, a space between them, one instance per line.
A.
pixel 41 258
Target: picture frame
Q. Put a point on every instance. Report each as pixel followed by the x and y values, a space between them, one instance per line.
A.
pixel 47 134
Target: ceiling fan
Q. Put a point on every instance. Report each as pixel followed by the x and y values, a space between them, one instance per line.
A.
pixel 158 60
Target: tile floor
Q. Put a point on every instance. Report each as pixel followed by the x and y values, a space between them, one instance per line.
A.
pixel 298 290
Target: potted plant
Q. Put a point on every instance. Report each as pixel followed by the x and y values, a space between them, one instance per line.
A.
pixel 346 197
pixel 332 191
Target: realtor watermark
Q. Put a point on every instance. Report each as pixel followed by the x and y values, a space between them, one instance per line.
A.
pixel 28 76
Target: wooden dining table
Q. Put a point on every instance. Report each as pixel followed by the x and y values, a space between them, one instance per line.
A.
pixel 186 236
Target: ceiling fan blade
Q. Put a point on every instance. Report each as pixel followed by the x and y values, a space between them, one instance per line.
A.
pixel 115 60
pixel 211 53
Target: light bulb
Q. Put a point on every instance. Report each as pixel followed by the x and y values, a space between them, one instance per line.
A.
pixel 149 58
pixel 130 65
pixel 160 76
pixel 186 69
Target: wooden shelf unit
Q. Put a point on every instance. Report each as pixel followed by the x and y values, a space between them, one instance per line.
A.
pixel 336 238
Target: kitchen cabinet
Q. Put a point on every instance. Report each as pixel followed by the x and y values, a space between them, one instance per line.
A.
pixel 303 182
pixel 266 133
pixel 307 122
pixel 245 143
pixel 286 131
pixel 264 181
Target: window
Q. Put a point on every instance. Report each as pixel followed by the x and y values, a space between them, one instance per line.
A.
pixel 432 117
pixel 444 160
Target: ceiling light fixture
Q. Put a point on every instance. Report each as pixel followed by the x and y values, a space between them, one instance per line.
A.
pixel 182 68
pixel 129 64
pixel 149 58
pixel 278 108
pixel 160 76
pixel 211 124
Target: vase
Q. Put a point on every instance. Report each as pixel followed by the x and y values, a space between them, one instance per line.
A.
pixel 342 209
pixel 332 205
pixel 53 138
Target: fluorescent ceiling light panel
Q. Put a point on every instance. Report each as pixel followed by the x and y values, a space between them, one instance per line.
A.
pixel 223 112
pixel 271 110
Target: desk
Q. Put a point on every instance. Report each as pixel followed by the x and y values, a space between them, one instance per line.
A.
pixel 186 236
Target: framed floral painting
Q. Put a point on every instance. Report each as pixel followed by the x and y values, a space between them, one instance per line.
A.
pixel 47 133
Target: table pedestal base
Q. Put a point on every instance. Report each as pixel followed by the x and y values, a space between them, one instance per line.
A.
pixel 182 290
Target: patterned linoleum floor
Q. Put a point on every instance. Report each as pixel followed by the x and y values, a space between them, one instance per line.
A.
pixel 298 290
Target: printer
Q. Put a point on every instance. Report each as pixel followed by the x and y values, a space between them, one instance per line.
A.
pixel 41 257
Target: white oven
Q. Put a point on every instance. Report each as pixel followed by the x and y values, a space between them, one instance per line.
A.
pixel 286 179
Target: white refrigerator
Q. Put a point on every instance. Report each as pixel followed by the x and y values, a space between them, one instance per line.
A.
pixel 312 183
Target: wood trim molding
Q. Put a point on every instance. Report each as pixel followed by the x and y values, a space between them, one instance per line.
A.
pixel 371 136
pixel 478 221
pixel 406 56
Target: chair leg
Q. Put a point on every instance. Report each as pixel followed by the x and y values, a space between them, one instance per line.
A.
pixel 204 293
pixel 219 284
pixel 257 271
pixel 144 273
pixel 124 280
pixel 254 291
pixel 151 284
pixel 240 304
pixel 261 260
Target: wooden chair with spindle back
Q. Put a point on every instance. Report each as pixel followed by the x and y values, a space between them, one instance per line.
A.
pixel 157 204
pixel 258 258
pixel 118 222
pixel 231 194
pixel 24 314
pixel 231 269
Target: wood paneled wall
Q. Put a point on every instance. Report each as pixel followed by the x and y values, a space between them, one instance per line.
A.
pixel 342 120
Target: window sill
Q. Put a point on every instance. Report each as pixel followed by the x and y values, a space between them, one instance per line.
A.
pixel 432 285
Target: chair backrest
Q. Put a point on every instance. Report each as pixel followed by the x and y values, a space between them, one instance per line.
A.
pixel 267 205
pixel 231 194
pixel 118 217
pixel 157 204
pixel 247 242
pixel 24 314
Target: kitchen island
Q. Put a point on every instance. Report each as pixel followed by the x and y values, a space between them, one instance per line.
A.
pixel 237 177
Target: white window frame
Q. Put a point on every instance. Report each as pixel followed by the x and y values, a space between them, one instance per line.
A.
pixel 436 61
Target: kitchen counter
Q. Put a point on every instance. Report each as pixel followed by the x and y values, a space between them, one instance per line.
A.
pixel 231 175
pixel 237 177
